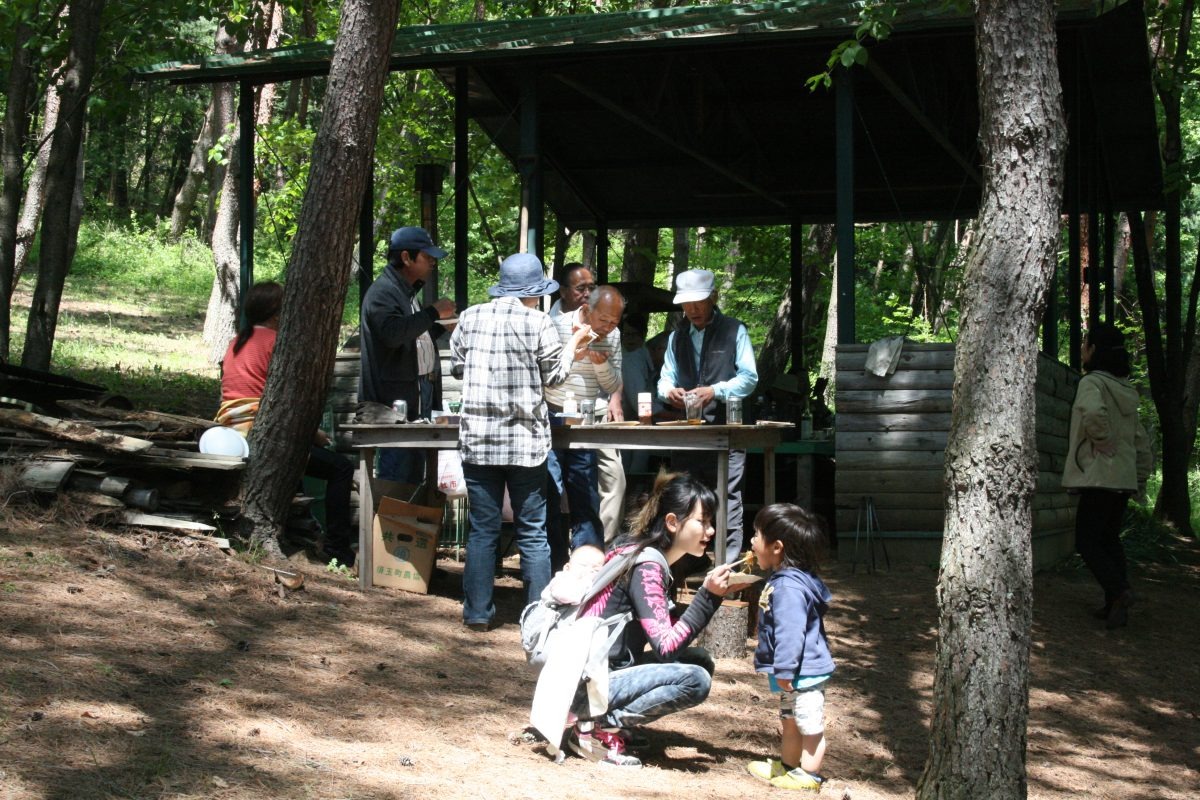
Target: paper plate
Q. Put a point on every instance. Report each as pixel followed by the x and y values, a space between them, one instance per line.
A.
pixel 224 442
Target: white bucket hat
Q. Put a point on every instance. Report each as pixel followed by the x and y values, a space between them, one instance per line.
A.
pixel 693 286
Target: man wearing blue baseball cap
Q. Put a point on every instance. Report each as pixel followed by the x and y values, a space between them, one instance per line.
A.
pixel 398 355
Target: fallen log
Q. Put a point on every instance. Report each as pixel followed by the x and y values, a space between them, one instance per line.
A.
pixel 72 431
pixel 179 421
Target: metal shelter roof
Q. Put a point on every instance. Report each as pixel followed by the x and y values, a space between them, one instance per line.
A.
pixel 700 115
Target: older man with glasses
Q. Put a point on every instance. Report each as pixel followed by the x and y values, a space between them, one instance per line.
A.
pixel 577 285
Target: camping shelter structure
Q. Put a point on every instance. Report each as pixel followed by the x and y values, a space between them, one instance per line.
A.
pixel 701 116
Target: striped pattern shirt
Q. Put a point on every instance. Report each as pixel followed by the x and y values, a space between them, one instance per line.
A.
pixel 505 353
pixel 588 380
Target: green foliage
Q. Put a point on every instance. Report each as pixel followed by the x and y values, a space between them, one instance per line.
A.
pixel 123 258
pixel 340 569
pixel 875 22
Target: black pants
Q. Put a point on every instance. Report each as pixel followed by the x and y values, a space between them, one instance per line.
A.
pixel 338 472
pixel 1098 538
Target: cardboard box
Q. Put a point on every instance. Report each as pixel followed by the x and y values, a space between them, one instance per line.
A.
pixel 404 544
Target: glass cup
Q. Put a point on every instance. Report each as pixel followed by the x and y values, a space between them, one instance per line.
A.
pixel 693 406
pixel 733 410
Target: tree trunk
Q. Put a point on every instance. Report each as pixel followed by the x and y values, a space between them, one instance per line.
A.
pixel 1171 355
pixel 1085 262
pixel 118 171
pixel 1121 258
pixel 589 250
pixel 777 347
pixel 317 271
pixel 681 251
pixel 35 190
pixel 1167 388
pixel 58 233
pixel 641 255
pixel 828 367
pixel 12 149
pixel 220 319
pixel 218 115
pixel 821 240
pixel 981 674
pixel 266 94
pixel 185 199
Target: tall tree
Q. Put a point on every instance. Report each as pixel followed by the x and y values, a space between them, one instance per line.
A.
pixel 318 271
pixel 185 198
pixel 216 118
pixel 981 678
pixel 1172 357
pixel 641 255
pixel 35 189
pixel 220 320
pixel 62 172
pixel 12 146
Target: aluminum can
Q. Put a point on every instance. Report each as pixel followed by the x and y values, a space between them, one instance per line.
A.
pixel 401 408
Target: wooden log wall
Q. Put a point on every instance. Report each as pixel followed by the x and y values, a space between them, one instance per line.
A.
pixel 891 442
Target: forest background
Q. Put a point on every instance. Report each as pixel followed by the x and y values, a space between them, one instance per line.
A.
pixel 134 201
pixel 127 181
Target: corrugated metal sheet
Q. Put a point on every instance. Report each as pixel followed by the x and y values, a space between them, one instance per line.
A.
pixel 465 43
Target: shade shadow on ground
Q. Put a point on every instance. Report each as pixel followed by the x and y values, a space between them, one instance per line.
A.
pixel 136 665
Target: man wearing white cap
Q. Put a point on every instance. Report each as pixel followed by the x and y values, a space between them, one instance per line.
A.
pixel 709 354
pixel 398 356
pixel 506 351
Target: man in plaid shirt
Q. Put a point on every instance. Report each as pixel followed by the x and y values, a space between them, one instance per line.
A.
pixel 505 351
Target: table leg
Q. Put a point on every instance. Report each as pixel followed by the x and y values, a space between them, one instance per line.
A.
pixel 722 505
pixel 366 509
pixel 768 475
pixel 431 477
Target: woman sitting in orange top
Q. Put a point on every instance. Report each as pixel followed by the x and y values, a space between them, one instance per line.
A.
pixel 243 376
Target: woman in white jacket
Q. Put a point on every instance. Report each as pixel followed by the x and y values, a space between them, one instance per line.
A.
pixel 1108 461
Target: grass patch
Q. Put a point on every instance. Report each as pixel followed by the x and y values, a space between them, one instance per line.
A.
pixel 132 316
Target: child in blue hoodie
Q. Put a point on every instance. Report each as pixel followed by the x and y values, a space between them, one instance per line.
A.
pixel 792 650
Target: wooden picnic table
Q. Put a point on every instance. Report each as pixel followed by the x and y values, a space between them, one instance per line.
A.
pixel 666 438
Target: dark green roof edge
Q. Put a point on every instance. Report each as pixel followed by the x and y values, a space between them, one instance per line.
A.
pixel 426 46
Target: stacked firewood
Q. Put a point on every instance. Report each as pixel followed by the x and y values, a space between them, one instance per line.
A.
pixel 140 468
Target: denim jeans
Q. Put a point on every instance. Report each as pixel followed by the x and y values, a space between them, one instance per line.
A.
pixel 572 472
pixel 485 498
pixel 647 691
pixel 405 464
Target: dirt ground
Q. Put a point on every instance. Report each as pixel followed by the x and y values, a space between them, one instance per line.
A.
pixel 139 665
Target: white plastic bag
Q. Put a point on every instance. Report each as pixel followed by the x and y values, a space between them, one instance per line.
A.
pixel 450 474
